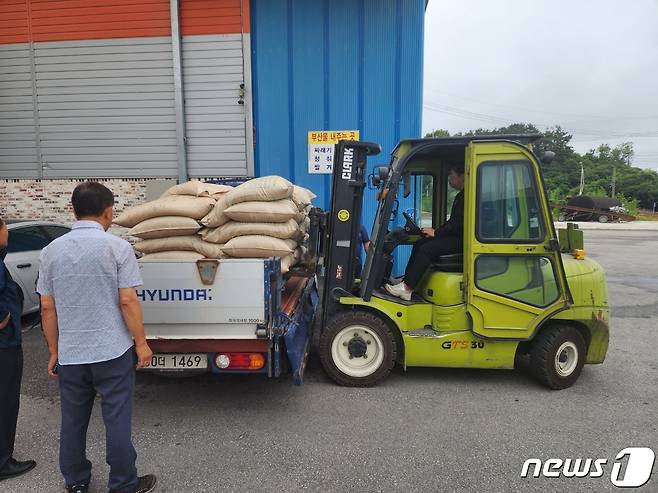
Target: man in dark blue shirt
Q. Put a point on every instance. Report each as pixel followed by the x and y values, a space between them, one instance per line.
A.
pixel 11 367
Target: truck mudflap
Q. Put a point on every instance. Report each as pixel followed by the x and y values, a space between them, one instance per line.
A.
pixel 295 327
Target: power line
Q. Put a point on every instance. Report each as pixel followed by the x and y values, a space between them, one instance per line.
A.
pixel 494 119
pixel 530 110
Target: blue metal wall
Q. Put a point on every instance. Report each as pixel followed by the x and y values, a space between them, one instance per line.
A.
pixel 334 65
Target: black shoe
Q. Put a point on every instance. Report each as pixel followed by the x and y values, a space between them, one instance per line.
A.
pixel 14 468
pixel 78 488
pixel 145 484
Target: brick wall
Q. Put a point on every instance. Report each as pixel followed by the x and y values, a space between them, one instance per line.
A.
pixel 50 200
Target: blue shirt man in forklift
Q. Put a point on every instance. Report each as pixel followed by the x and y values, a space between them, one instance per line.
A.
pixel 445 240
pixel 364 240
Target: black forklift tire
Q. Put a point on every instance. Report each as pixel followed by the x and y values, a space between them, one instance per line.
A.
pixel 558 371
pixel 382 347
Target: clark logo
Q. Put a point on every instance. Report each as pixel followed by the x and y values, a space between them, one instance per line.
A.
pixel 348 159
pixel 639 465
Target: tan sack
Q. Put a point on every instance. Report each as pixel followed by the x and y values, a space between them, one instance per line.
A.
pixel 175 205
pixel 173 255
pixel 290 260
pixel 189 243
pixel 165 226
pixel 302 197
pixel 198 189
pixel 278 211
pixel 222 234
pixel 305 224
pixel 216 216
pixel 264 189
pixel 287 262
pixel 258 246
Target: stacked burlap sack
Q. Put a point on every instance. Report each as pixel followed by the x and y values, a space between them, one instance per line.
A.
pixel 167 228
pixel 263 217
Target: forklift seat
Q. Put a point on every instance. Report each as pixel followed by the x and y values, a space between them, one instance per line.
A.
pixel 449 263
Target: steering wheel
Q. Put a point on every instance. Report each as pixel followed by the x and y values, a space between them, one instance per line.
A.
pixel 410 227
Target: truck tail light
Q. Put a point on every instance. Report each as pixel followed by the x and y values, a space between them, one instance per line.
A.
pixel 240 361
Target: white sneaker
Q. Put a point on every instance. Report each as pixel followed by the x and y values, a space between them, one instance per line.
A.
pixel 399 290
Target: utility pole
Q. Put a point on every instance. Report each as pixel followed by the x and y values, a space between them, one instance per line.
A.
pixel 614 180
pixel 582 179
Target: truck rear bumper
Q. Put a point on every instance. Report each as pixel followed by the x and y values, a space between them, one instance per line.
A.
pixel 232 348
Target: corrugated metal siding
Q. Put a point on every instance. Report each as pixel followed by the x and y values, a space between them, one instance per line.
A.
pixel 14 27
pixel 61 20
pixel 334 65
pixel 211 17
pixel 214 121
pixel 18 155
pixel 106 108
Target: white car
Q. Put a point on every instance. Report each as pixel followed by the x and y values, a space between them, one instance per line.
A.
pixel 26 239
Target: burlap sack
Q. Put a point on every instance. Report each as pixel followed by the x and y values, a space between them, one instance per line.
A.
pixel 174 205
pixel 290 260
pixel 180 243
pixel 165 226
pixel 216 216
pixel 278 211
pixel 287 262
pixel 302 197
pixel 288 230
pixel 198 189
pixel 258 246
pixel 173 255
pixel 264 189
pixel 305 224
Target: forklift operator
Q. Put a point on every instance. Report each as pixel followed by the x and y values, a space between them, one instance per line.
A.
pixel 447 239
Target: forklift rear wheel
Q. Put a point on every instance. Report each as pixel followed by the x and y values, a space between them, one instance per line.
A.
pixel 557 356
pixel 357 349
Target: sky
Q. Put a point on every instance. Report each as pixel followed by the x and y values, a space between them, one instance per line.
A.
pixel 590 66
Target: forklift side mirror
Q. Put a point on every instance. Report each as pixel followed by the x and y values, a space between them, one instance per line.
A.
pixel 379 176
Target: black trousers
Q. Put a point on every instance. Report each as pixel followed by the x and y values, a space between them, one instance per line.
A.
pixel 11 373
pixel 427 250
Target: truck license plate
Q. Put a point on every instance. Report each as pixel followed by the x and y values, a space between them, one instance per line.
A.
pixel 179 361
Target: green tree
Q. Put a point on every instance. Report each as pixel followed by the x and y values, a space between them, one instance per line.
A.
pixel 562 175
pixel 440 132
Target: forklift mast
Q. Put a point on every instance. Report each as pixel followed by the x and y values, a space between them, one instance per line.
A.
pixel 340 239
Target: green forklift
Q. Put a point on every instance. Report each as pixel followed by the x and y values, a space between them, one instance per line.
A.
pixel 515 297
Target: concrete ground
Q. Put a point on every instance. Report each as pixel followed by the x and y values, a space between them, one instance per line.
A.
pixel 424 430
